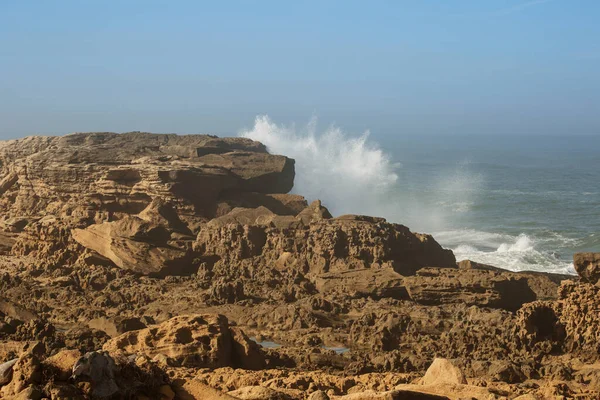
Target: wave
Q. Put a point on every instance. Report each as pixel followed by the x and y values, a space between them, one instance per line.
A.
pixel 516 253
pixel 352 175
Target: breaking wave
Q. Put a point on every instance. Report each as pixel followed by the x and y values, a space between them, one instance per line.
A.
pixel 349 174
pixel 516 253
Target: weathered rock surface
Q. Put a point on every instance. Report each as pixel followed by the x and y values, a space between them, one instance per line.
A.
pixel 443 371
pixel 471 287
pixel 205 341
pixel 587 266
pixel 85 179
pixel 140 265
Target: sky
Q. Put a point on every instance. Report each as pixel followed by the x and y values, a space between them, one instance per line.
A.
pixel 420 67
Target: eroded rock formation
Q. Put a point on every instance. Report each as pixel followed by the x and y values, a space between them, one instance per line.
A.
pixel 179 267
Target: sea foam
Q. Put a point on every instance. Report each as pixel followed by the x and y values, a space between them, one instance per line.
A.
pixel 349 174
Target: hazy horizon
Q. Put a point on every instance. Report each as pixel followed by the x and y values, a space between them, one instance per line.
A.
pixel 395 68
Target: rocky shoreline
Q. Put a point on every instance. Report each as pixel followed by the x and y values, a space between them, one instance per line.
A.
pixel 151 266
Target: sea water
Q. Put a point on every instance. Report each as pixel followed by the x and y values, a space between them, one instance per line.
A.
pixel 513 201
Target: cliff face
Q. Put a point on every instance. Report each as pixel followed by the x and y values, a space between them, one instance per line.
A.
pixel 102 176
pixel 140 199
pixel 137 261
pixel 129 190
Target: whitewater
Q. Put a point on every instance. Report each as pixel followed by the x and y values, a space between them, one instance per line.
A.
pixel 500 203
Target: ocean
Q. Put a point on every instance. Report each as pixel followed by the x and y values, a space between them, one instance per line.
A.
pixel 513 201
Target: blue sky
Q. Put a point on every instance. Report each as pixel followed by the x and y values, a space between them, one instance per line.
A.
pixel 394 67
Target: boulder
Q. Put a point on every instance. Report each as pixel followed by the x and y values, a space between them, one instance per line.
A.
pixel 137 245
pixel 204 341
pixel 25 373
pixel 6 371
pixel 100 368
pixel 587 266
pixel 318 395
pixel 63 363
pixel 443 371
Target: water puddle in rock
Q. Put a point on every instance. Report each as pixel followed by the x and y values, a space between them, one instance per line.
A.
pixel 338 350
pixel 266 344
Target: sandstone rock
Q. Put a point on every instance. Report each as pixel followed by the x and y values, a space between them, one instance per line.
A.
pixel 313 213
pixel 13 349
pixel 116 325
pixel 259 172
pixel 84 179
pixel 7 241
pixel 443 371
pixel 318 395
pixel 391 395
pixel 587 266
pixel 468 264
pixel 49 241
pixel 161 213
pixel 25 372
pixel 212 219
pixel 63 363
pixel 134 244
pixel 539 322
pixel 64 391
pixel 16 311
pixel 484 288
pixel 258 393
pixel 446 391
pixel 544 285
pixel 265 246
pixel 576 318
pixel 506 371
pixel 29 393
pixel 194 390
pixel 379 331
pixel 373 283
pixel 204 341
pixel 280 204
pixel 166 392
